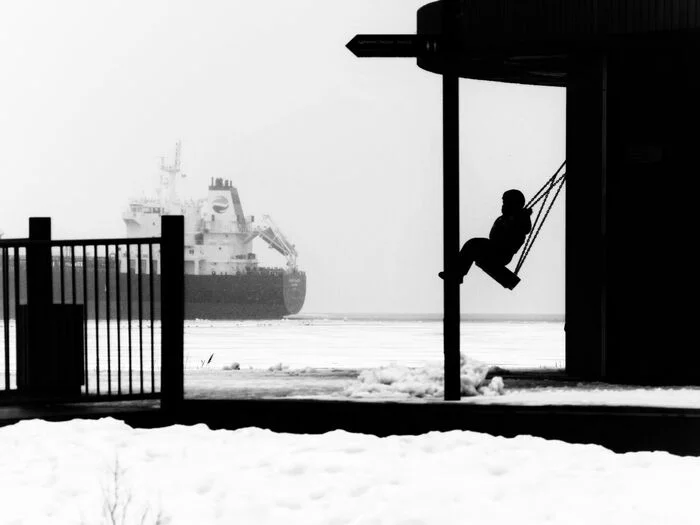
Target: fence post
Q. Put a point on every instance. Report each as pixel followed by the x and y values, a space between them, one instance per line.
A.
pixel 172 310
pixel 39 282
pixel 34 374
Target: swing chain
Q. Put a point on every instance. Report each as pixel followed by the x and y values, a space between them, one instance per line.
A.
pixel 551 183
pixel 535 200
pixel 537 197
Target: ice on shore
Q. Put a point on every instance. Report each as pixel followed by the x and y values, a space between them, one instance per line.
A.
pixel 396 381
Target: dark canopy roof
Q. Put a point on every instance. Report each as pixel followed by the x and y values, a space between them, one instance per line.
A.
pixel 528 41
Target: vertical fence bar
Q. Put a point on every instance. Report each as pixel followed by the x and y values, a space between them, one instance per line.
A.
pixel 18 291
pixel 18 295
pixel 73 297
pixel 85 306
pixel 107 314
pixel 63 279
pixel 172 301
pixel 6 312
pixel 97 319
pixel 119 323
pixel 72 274
pixel 18 286
pixel 140 293
pixel 128 307
pixel 151 303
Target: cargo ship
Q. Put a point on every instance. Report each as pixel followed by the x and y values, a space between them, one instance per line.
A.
pixel 223 278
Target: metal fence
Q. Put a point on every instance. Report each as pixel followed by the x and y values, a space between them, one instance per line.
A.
pixel 113 289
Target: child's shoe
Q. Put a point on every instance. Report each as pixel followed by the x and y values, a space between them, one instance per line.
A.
pixel 443 275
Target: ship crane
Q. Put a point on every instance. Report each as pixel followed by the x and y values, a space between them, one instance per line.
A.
pixel 268 231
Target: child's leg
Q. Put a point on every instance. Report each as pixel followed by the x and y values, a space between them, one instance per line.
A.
pixel 473 249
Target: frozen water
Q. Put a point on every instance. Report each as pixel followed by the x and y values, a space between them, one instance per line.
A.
pixel 320 343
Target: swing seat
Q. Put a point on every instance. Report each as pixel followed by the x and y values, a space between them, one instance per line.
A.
pixel 499 273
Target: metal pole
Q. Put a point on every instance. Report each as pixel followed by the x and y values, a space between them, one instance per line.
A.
pixel 450 126
pixel 450 144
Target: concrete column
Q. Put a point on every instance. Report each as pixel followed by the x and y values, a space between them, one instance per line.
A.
pixel 586 163
pixel 632 215
pixel 653 215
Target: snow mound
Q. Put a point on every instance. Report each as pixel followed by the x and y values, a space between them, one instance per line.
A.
pixel 396 381
pixel 287 370
pixel 66 474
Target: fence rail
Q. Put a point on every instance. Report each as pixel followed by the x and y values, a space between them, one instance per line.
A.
pixel 19 242
pixel 114 287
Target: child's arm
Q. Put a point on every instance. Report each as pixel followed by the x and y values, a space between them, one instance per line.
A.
pixel 499 230
pixel 509 228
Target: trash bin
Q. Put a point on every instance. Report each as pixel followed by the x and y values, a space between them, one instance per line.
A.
pixel 50 350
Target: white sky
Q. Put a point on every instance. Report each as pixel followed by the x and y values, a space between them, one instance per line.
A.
pixel 343 153
pixel 254 476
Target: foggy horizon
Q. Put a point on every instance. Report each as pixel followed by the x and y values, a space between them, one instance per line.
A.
pixel 344 154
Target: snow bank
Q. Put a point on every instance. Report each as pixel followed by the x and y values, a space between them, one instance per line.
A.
pixel 63 473
pixel 396 381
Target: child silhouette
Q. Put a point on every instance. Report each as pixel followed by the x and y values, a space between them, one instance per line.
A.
pixel 507 235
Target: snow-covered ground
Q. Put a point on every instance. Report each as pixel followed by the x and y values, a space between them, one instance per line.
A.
pixel 65 473
pixel 311 343
pixel 98 472
pixel 359 360
pixel 390 359
pixel 396 382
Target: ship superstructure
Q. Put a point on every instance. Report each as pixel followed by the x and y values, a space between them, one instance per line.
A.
pixel 221 267
pixel 218 235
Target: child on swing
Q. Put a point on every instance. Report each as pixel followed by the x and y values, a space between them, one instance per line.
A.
pixel 507 236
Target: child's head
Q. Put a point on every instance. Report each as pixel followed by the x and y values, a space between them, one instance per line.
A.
pixel 513 201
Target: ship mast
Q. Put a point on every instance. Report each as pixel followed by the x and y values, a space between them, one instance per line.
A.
pixel 168 183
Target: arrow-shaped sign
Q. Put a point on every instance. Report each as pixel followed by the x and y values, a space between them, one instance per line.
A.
pixel 393 45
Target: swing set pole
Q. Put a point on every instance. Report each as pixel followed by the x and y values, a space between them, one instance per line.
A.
pixel 450 143
pixel 451 337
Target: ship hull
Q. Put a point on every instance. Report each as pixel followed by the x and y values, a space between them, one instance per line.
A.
pixel 261 294
pixel 249 296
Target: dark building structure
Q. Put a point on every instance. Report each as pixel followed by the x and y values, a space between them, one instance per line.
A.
pixel 631 69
